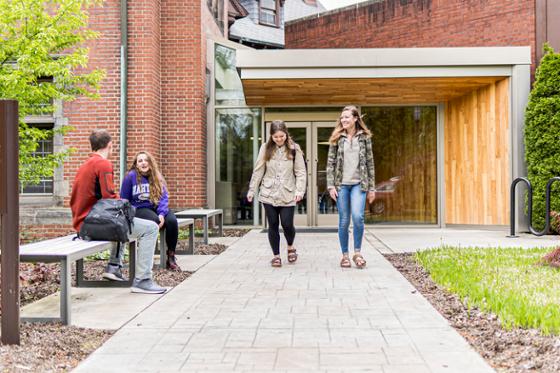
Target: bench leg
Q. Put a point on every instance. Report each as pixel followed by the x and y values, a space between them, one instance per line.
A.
pixel 221 231
pixel 162 249
pixel 205 227
pixel 65 287
pixel 80 281
pixel 131 262
pixel 191 240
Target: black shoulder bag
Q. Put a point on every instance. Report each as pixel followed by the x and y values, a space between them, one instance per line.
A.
pixel 108 220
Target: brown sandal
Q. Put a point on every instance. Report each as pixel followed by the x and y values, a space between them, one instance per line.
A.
pixel 292 255
pixel 276 262
pixel 345 262
pixel 359 260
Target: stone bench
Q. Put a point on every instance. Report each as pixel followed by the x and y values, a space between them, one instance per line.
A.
pixel 204 214
pixel 183 222
pixel 66 250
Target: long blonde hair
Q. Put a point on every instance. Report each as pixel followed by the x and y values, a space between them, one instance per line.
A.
pixel 275 126
pixel 155 179
pixel 338 130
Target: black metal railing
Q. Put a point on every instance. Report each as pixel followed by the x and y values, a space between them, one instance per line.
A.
pixel 530 205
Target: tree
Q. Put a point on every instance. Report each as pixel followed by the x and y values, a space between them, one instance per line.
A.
pixel 43 59
pixel 542 133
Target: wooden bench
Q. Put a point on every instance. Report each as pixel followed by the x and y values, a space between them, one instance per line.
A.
pixel 163 246
pixel 66 250
pixel 204 214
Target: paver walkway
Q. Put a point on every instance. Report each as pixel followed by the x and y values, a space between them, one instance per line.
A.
pixel 239 314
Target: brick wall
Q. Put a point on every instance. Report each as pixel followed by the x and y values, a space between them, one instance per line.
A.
pixel 84 115
pixel 419 23
pixel 44 231
pixel 144 87
pixel 183 126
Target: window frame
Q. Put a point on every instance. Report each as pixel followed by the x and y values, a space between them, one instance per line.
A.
pixel 45 123
pixel 276 14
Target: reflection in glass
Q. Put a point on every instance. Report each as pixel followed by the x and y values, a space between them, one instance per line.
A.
pixel 238 137
pixel 404 147
pixel 299 137
pixel 229 91
pixel 325 204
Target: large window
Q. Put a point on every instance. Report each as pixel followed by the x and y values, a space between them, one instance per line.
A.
pixel 269 13
pixel 217 9
pixel 404 148
pixel 238 138
pixel 229 90
pixel 45 147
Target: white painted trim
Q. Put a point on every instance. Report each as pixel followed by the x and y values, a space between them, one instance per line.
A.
pixel 383 57
pixel 377 72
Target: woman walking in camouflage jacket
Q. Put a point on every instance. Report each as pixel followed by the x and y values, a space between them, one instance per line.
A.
pixel 350 177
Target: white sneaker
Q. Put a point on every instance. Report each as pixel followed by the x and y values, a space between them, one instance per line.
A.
pixel 146 286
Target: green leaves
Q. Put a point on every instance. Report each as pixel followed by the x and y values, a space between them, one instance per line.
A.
pixel 505 281
pixel 542 134
pixel 42 60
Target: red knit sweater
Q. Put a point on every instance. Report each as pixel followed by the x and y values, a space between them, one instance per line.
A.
pixel 94 180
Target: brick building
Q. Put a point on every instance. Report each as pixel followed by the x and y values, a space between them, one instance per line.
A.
pixel 201 102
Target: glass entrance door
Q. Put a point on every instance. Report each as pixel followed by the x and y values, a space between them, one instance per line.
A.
pixel 301 134
pixel 325 212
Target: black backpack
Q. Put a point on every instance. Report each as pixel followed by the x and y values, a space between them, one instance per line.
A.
pixel 108 220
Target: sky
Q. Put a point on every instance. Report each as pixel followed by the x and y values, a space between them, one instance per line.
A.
pixel 333 4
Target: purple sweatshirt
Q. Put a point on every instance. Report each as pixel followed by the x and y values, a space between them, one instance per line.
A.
pixel 139 194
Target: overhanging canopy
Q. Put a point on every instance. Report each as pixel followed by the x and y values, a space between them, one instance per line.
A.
pixel 372 76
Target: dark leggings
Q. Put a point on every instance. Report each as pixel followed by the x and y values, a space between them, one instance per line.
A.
pixel 170 225
pixel 286 214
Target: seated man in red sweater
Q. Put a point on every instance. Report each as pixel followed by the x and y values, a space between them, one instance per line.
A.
pixel 94 181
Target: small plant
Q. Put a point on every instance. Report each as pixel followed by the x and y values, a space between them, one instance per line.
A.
pixel 555 222
pixel 552 258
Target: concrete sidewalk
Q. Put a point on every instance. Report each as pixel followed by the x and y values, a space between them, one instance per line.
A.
pixel 397 240
pixel 239 314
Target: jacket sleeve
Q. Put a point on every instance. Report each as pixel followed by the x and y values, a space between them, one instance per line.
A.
pixel 163 205
pixel 258 172
pixel 106 180
pixel 126 187
pixel 331 165
pixel 300 172
pixel 370 165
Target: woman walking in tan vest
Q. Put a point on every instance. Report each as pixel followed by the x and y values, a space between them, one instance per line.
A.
pixel 279 175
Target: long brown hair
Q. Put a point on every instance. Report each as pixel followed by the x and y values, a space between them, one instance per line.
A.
pixel 337 132
pixel 155 179
pixel 275 126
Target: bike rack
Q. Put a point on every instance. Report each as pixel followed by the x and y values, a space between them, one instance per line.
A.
pixel 530 206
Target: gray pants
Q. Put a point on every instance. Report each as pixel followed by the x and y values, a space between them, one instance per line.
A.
pixel 146 233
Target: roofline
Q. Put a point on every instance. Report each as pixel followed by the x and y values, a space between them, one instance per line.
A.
pixel 383 57
pixel 334 11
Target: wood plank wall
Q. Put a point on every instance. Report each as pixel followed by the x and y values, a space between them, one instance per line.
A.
pixel 477 146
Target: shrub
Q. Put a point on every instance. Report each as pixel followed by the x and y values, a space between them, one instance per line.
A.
pixel 542 134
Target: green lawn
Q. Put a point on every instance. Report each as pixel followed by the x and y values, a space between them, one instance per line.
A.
pixel 505 281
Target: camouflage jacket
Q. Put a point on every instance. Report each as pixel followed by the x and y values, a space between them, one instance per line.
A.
pixel 335 163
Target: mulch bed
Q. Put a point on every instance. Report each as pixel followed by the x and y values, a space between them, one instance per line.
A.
pixel 54 347
pixel 516 350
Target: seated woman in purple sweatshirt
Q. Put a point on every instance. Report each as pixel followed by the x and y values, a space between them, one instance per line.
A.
pixel 145 188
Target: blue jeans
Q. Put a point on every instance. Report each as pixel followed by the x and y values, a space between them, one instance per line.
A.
pixel 351 201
